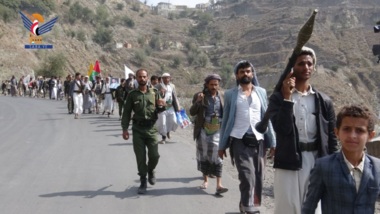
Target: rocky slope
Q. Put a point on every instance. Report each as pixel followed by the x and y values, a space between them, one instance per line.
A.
pixel 263 32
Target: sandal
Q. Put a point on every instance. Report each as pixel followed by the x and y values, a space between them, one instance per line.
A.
pixel 204 185
pixel 221 190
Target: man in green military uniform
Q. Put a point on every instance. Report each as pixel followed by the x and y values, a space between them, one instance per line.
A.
pixel 119 94
pixel 145 104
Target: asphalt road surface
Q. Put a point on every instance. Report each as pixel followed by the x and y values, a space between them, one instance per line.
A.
pixel 52 163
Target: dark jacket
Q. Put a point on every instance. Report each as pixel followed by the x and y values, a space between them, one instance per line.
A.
pixel 119 94
pixel 198 109
pixel 66 86
pixel 288 153
pixel 332 183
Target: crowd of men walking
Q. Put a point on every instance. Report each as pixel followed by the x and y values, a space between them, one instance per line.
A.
pixel 40 87
pixel 312 173
pixel 303 132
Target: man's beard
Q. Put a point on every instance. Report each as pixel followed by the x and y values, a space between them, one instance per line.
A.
pixel 245 80
pixel 142 83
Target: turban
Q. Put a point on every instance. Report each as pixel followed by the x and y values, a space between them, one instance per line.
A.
pixel 212 77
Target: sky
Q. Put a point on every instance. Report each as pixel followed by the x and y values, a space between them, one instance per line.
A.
pixel 189 3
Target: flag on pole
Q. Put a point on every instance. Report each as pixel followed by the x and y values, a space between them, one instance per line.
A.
pixel 33 76
pixel 127 71
pixel 95 71
pixel 90 69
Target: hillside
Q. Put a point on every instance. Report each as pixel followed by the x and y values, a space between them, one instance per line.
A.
pixel 192 44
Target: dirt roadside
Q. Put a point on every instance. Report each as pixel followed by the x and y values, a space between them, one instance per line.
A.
pixel 267 206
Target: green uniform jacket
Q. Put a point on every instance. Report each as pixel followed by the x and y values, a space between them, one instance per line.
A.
pixel 119 94
pixel 143 106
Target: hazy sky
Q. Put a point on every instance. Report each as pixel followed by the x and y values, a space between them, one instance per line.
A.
pixel 189 3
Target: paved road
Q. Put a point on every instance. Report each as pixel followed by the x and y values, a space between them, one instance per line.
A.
pixel 51 163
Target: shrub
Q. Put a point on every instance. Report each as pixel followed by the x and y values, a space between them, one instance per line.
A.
pixel 155 43
pixel 193 78
pixel 6 14
pixel 81 36
pixel 120 6
pixel 11 4
pixel 136 7
pixel 157 30
pixel 205 19
pixel 148 50
pixel 191 46
pixel 87 15
pixel 72 34
pixel 140 57
pixel 184 14
pixel 335 68
pixel 67 2
pixel 43 6
pixel 202 60
pixel 191 58
pixel 176 62
pixel 128 22
pixel 218 35
pixel 171 16
pixel 75 12
pixel 102 36
pixel 354 80
pixel 101 14
pixel 141 41
pixel 226 72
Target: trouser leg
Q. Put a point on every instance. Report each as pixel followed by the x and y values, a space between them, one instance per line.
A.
pixel 145 138
pixel 140 151
pixel 243 157
pixel 153 155
pixel 120 108
pixel 259 164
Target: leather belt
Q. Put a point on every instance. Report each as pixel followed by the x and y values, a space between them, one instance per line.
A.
pixel 147 123
pixel 308 147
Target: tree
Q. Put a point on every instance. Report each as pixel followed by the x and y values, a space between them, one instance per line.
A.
pixel 53 66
